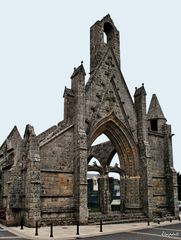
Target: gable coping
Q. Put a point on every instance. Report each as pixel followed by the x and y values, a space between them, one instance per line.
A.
pixel 50 138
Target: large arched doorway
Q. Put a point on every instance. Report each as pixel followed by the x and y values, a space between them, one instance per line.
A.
pixel 119 179
pixel 105 178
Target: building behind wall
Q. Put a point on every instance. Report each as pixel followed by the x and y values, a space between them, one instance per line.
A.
pixel 44 177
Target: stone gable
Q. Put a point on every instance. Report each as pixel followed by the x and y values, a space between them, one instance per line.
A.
pixel 44 178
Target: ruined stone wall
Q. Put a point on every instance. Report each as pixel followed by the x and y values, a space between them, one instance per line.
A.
pixel 57 153
pixel 11 141
pixel 57 179
pixel 44 177
pixel 10 190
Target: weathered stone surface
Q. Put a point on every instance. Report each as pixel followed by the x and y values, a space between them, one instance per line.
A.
pixel 44 178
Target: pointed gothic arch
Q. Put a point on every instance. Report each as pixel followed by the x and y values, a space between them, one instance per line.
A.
pixel 121 138
pixel 124 145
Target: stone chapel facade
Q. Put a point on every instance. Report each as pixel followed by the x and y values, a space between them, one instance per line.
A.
pixel 44 177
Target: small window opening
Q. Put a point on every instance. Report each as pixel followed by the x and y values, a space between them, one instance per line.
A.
pixel 108 30
pixel 154 125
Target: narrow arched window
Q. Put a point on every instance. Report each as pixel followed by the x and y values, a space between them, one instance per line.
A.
pixel 109 31
pixel 154 125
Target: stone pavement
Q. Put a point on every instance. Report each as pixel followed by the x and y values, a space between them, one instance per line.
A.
pixel 69 232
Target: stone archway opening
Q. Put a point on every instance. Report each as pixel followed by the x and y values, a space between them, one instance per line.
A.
pixel 121 144
pixel 115 191
pixel 115 187
pixel 104 169
pixel 93 191
pixel 93 185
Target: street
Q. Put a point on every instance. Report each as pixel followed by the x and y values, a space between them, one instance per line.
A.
pixel 6 235
pixel 158 233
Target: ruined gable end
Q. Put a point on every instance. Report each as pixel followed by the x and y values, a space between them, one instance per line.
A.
pixel 70 174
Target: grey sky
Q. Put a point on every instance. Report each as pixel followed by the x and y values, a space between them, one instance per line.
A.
pixel 42 41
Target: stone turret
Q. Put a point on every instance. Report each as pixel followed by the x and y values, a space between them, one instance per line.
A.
pixel 144 149
pixel 155 115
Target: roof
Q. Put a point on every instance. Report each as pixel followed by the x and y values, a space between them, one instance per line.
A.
pixel 69 92
pixel 140 91
pixel 80 69
pixel 155 111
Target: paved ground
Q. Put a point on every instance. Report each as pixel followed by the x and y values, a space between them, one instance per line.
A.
pixel 156 233
pixel 7 235
pixel 126 231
